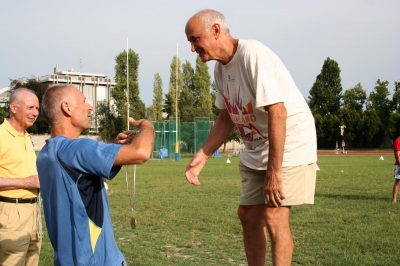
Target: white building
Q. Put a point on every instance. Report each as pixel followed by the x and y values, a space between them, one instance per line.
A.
pixel 96 87
pixel 4 96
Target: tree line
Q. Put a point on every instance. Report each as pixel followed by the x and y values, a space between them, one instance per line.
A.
pixel 367 119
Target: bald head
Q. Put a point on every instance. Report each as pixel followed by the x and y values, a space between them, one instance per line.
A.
pixel 209 17
pixel 209 36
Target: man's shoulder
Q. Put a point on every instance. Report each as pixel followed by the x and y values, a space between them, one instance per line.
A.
pixel 251 44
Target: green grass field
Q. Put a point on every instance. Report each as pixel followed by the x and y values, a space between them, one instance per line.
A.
pixel 352 222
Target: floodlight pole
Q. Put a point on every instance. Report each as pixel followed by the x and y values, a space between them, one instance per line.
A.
pixel 176 108
pixel 131 199
pixel 127 100
pixel 127 85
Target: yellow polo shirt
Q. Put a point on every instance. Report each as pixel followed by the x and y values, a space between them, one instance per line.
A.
pixel 17 159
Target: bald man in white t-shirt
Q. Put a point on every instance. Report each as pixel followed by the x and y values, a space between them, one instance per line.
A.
pixel 256 93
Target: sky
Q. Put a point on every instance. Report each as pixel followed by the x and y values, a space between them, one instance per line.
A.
pixel 362 36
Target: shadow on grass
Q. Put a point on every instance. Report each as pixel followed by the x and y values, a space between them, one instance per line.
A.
pixel 353 197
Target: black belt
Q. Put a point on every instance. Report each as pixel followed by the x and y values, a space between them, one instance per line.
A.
pixel 11 200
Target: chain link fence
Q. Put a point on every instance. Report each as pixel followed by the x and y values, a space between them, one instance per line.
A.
pixel 189 135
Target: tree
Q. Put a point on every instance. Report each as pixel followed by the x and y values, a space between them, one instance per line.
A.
pixel 201 88
pixel 187 99
pixel 394 126
pixel 353 122
pixel 173 91
pixel 3 114
pixel 351 114
pixel 379 102
pixel 394 122
pixel 155 111
pixel 326 93
pixel 119 93
pixel 168 106
pixel 372 129
pixel 329 127
pixel 110 124
pixel 396 97
pixel 355 98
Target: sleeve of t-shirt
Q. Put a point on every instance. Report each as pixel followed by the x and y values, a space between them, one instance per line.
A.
pixel 396 145
pixel 90 156
pixel 262 74
pixel 219 99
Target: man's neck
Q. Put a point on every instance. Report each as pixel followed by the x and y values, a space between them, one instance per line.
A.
pixel 229 50
pixel 14 123
pixel 67 132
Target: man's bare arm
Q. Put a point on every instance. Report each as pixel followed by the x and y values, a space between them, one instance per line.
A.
pixel 273 185
pixel 30 182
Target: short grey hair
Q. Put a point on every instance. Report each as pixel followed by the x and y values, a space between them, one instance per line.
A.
pixel 51 102
pixel 210 17
pixel 14 95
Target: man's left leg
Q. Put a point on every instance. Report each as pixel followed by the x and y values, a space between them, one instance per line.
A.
pixel 277 220
pixel 252 219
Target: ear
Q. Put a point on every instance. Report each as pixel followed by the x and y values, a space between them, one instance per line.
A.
pixel 65 108
pixel 216 30
pixel 13 108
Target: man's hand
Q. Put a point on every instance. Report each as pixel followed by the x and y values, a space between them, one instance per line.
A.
pixel 141 124
pixel 194 168
pixel 32 182
pixel 125 137
pixel 273 188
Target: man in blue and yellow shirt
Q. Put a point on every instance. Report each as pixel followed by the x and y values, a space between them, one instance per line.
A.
pixel 71 171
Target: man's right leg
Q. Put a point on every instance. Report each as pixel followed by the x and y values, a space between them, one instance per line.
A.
pixel 395 190
pixel 252 218
pixel 14 239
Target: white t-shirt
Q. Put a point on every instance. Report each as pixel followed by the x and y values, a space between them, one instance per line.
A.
pixel 254 78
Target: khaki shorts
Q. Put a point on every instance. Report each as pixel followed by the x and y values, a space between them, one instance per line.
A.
pixel 18 241
pixel 298 185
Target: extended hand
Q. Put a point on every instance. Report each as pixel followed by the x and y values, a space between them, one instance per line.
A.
pixel 194 168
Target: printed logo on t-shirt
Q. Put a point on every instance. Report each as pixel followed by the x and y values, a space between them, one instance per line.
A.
pixel 244 118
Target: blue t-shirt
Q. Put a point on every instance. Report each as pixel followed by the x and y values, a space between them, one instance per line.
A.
pixel 75 202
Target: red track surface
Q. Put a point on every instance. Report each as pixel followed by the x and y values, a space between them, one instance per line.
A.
pixel 379 153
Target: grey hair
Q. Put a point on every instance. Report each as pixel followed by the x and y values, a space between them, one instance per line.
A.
pixel 210 17
pixel 14 95
pixel 51 102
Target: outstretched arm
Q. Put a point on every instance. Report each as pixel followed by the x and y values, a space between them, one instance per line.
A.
pixel 219 133
pixel 138 147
